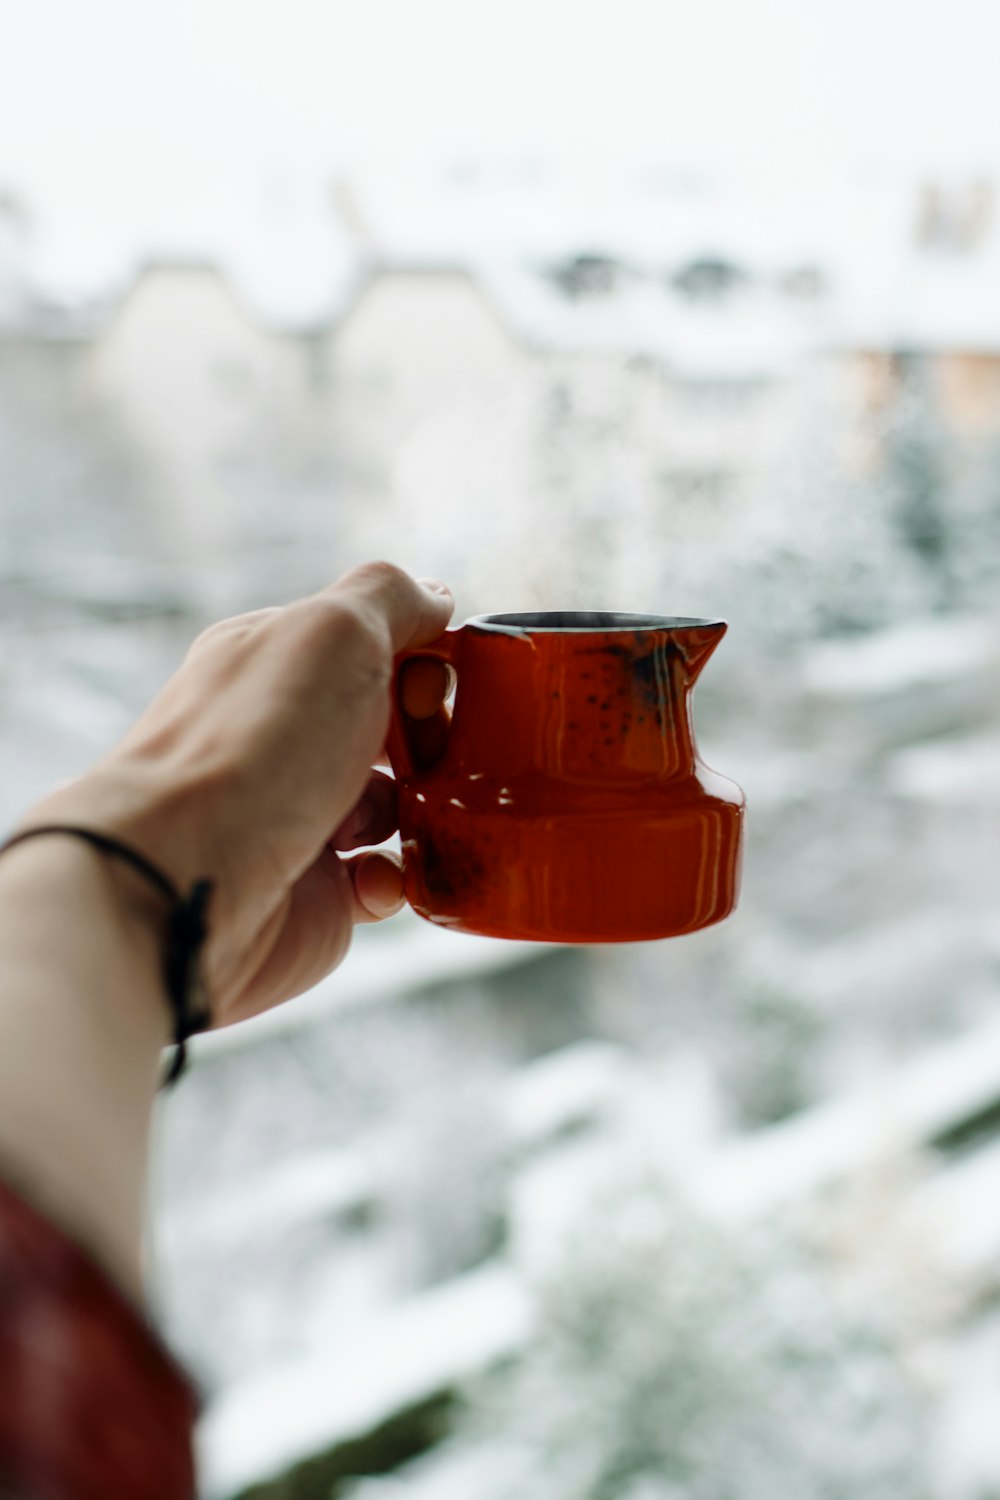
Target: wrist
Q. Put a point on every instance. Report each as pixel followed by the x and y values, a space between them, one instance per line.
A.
pixel 60 898
pixel 166 818
pixel 83 1023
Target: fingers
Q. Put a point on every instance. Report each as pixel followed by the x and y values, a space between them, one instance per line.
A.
pixel 313 927
pixel 289 707
pixel 424 686
pixel 428 738
pixel 415 612
pixel 378 886
pixel 372 819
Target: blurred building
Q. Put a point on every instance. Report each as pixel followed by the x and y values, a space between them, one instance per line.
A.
pixel 669 381
pixel 938 311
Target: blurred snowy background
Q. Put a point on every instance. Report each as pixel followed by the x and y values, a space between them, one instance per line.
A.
pixel 691 309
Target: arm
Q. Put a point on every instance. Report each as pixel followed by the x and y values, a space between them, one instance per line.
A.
pixel 253 767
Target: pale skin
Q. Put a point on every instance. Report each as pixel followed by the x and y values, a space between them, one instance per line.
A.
pixel 255 766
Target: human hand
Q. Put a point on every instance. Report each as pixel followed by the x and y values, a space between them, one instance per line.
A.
pixel 254 767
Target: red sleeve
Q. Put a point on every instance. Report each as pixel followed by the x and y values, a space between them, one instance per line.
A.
pixel 92 1407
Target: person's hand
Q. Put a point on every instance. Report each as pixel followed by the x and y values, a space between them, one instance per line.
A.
pixel 254 766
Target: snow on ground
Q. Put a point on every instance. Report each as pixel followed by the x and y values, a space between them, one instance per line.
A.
pixel 961 770
pixel 564 1090
pixel 906 657
pixel 961 1207
pixel 257 1429
pixel 570 1087
pixel 967 1454
pixel 260 1425
pixel 451 1472
pixel 911 1106
pixel 892 958
pixel 318 1185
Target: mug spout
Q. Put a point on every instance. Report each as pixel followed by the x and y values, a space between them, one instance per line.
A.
pixel 695 645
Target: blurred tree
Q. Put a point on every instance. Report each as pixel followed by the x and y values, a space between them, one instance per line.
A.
pixel 918 455
pixel 672 1361
pixel 768 1052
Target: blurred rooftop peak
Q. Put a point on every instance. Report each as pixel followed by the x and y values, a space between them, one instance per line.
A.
pixel 955 217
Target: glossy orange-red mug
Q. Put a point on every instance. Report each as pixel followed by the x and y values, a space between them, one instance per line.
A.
pixel 569 803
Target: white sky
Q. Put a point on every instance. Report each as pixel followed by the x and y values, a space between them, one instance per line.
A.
pixel 116 109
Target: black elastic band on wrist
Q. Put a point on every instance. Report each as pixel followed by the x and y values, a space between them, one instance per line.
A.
pixel 186 933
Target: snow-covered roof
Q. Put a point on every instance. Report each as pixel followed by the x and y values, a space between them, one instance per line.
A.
pixel 925 301
pixel 543 211
pixel 289 261
pixel 748 336
pixel 297 263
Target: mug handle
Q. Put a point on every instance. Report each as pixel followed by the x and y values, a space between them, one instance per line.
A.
pixel 444 649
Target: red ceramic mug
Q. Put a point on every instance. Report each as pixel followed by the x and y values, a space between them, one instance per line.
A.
pixel 569 803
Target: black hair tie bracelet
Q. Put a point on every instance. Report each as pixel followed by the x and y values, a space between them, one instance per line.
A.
pixel 186 932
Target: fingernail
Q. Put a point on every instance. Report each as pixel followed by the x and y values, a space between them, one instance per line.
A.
pixel 379 884
pixel 435 586
pixel 381 906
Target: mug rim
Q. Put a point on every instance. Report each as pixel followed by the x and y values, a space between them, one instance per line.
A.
pixel 594 622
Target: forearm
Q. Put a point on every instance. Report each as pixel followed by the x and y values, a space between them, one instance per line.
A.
pixel 83 1020
pixel 252 768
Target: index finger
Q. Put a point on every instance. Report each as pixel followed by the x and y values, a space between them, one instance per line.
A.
pixel 415 611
